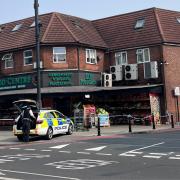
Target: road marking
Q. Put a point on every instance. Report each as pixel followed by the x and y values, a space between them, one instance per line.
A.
pixel 2 174
pixel 174 158
pixel 65 152
pixel 155 157
pixel 29 149
pixel 5 178
pixel 36 174
pixel 103 154
pixel 134 150
pixel 60 146
pixel 160 154
pixel 128 155
pixel 15 148
pixel 96 148
pixel 83 153
pixel 6 160
pixel 46 150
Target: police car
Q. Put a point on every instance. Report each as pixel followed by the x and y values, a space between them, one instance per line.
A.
pixel 47 123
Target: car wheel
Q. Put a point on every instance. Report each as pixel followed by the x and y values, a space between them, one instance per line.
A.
pixel 70 129
pixel 49 134
pixel 20 137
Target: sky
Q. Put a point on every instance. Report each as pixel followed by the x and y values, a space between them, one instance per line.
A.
pixel 12 10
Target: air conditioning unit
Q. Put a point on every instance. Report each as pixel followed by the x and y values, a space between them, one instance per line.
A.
pixel 131 72
pixel 116 72
pixel 107 80
pixel 151 70
pixel 35 66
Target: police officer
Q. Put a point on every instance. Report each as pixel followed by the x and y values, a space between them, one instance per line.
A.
pixel 27 114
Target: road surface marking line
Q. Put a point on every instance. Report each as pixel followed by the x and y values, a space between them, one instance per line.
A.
pixel 6 160
pixel 36 174
pixel 46 150
pixel 130 155
pixel 104 154
pixel 174 157
pixel 29 149
pixel 65 151
pixel 135 152
pixel 83 153
pixel 160 154
pixel 4 178
pixel 23 159
pixel 177 155
pixel 155 157
pixel 144 147
pixel 15 148
pixel 96 148
pixel 60 146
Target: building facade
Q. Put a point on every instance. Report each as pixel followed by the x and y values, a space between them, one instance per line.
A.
pixel 139 49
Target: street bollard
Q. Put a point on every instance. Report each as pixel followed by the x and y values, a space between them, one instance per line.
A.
pixel 172 121
pixel 129 122
pixel 153 122
pixel 99 128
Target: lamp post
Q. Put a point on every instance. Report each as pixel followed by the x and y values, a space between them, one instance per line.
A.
pixel 37 27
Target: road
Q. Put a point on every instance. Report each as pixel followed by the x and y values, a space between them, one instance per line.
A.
pixel 146 156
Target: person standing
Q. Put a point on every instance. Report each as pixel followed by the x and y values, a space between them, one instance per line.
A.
pixel 27 116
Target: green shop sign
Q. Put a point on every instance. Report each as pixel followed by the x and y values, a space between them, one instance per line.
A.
pixel 88 79
pixel 15 82
pixel 60 79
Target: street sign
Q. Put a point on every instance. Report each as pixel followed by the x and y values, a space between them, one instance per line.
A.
pixel 177 91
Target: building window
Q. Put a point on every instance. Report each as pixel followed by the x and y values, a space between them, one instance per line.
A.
pixel 178 19
pixel 17 27
pixel 143 55
pixel 91 56
pixel 139 23
pixel 121 58
pixel 8 59
pixel 28 57
pixel 59 54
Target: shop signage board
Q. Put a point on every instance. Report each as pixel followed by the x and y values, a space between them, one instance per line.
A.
pixel 104 119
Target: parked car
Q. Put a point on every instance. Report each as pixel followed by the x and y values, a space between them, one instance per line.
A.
pixel 47 123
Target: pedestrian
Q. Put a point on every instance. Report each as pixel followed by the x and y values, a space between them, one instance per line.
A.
pixel 27 116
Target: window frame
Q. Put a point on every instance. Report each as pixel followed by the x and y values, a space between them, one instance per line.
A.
pixel 120 54
pixel 24 58
pixel 143 55
pixel 60 53
pixel 16 27
pixel 92 55
pixel 7 60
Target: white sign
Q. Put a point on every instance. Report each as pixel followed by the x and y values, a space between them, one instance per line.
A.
pixel 177 91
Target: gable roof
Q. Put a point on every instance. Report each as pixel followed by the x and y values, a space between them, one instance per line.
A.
pixel 56 29
pixel 119 32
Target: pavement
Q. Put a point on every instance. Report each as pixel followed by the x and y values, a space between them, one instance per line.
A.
pixel 7 137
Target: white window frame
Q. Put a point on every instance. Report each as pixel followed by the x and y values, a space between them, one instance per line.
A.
pixel 141 52
pixel 119 58
pixel 27 57
pixel 178 19
pixel 91 57
pixel 8 58
pixel 55 55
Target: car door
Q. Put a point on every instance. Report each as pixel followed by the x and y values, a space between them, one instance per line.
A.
pixel 62 122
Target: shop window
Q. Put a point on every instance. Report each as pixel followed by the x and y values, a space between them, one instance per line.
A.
pixel 121 58
pixel 27 57
pixel 91 57
pixel 8 59
pixel 143 55
pixel 59 54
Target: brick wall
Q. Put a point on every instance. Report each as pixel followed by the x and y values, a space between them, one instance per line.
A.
pixel 172 75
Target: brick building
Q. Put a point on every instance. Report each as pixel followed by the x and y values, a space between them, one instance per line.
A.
pixel 142 47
